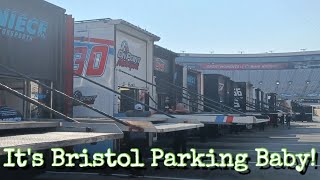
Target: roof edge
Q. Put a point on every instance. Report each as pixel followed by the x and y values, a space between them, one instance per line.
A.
pixel 250 55
pixel 123 22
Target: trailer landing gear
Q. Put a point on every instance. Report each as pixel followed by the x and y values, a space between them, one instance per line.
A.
pixel 180 142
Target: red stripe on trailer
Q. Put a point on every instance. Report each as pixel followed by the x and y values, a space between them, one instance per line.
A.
pixel 95 40
pixel 229 119
pixel 68 66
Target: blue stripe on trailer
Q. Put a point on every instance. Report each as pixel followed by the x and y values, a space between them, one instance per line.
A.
pixel 219 119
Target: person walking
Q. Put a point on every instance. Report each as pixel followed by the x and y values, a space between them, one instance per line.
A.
pixel 288 120
pixel 282 119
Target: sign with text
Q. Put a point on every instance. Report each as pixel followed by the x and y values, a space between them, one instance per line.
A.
pixel 161 65
pixel 252 66
pixel 131 57
pixel 94 60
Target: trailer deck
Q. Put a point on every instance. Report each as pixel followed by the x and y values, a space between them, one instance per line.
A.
pixel 47 140
pixel 6 125
pixel 152 124
pixel 62 134
pixel 207 118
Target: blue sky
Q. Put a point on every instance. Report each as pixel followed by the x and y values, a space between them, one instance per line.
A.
pixel 219 26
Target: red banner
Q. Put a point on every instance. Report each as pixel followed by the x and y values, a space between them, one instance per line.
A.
pixel 242 66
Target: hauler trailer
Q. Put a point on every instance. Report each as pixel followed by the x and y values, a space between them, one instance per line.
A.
pixel 101 47
pixel 223 114
pixel 255 101
pixel 36 58
pixel 164 68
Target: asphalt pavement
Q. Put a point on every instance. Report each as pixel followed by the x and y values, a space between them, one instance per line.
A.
pixel 301 137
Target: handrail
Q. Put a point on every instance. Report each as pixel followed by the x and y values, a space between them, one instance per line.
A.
pixel 157 86
pixel 210 107
pixel 264 103
pixel 246 103
pixel 153 100
pixel 251 105
pixel 203 105
pixel 26 98
pixel 65 95
pixel 116 92
pixel 202 96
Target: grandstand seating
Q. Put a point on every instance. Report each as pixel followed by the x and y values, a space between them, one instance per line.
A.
pixel 292 82
pixel 297 73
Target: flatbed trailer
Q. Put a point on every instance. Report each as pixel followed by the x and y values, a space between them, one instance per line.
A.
pixel 207 118
pixel 152 130
pixel 215 124
pixel 153 124
pixel 43 135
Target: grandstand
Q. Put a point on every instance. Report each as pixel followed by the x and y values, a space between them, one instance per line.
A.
pixel 291 75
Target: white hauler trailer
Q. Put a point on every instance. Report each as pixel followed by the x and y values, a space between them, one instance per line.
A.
pixel 104 46
pixel 101 47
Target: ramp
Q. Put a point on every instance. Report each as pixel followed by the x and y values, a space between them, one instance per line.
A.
pixel 28 125
pixel 221 119
pixel 64 134
pixel 153 124
pixel 53 139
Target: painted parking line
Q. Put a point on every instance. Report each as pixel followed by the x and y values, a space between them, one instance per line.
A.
pixel 121 175
pixel 250 162
pixel 155 177
pixel 72 173
pixel 218 150
pixel 254 143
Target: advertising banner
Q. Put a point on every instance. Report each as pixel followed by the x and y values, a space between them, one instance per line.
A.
pixel 9 114
pixel 254 66
pixel 161 65
pixel 243 66
pixel 131 57
pixel 95 60
pixel 30 34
